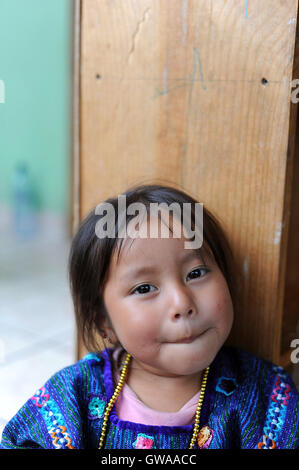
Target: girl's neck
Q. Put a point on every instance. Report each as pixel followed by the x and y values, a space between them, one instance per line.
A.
pixel 161 392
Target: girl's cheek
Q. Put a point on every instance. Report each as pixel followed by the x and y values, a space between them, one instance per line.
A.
pixel 220 302
pixel 224 308
pixel 136 320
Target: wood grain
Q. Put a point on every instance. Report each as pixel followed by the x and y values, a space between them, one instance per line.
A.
pixel 197 94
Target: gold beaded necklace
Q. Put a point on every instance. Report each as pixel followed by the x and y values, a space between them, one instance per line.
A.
pixel 120 386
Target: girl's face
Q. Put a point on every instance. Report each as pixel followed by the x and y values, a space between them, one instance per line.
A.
pixel 167 309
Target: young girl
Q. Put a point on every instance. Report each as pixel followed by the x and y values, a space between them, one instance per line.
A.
pixel 167 379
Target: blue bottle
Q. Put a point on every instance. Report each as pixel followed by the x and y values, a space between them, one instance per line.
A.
pixel 23 204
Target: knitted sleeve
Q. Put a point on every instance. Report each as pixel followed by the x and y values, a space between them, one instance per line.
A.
pixel 51 418
pixel 281 424
pixel 269 416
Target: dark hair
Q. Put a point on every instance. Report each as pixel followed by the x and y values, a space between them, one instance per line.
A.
pixel 90 256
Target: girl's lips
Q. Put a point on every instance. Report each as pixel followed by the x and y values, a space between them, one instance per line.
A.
pixel 188 339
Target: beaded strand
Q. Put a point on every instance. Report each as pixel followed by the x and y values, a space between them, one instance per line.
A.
pixel 119 388
pixel 113 399
pixel 198 410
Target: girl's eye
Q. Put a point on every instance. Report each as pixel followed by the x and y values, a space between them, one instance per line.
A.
pixel 197 271
pixel 143 289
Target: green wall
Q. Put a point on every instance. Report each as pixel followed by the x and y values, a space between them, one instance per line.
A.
pixel 35 67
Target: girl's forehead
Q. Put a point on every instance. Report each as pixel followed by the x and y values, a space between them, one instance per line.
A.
pixel 145 246
pixel 134 250
pixel 150 227
pixel 125 257
pixel 142 238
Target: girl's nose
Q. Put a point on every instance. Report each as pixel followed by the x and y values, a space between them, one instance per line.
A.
pixel 179 315
pixel 181 304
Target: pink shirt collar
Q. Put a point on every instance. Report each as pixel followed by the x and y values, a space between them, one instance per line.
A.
pixel 130 408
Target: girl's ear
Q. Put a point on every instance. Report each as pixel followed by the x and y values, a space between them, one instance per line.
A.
pixel 108 330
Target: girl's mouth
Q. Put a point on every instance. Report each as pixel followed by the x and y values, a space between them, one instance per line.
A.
pixel 185 340
pixel 188 339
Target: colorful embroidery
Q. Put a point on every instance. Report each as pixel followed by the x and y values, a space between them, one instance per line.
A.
pixel 280 388
pixel 276 412
pixel 226 385
pixel 40 398
pixel 267 443
pixel 53 419
pixel 96 408
pixel 204 437
pixel 144 442
pixel 60 437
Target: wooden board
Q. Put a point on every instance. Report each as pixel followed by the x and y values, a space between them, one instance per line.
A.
pixel 197 93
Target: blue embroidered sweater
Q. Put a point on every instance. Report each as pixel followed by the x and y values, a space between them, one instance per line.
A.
pixel 249 404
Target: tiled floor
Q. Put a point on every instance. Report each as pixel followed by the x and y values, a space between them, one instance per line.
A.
pixel 37 328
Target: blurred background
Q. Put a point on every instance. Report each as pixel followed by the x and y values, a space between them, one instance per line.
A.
pixel 37 331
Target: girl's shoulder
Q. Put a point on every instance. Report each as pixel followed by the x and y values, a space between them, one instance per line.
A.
pixel 53 416
pixel 251 371
pixel 87 372
pixel 263 397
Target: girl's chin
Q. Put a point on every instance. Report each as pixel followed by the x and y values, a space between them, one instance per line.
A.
pixel 187 359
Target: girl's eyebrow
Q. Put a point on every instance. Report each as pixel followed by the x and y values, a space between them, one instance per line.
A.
pixel 148 269
pixel 192 254
pixel 140 271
